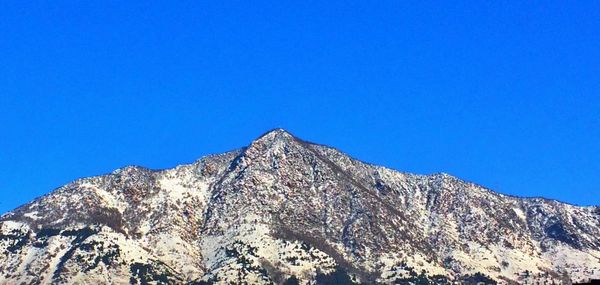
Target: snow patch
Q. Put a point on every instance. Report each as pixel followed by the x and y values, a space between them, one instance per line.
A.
pixel 32 215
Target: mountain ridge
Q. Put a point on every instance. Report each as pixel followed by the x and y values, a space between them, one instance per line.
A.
pixel 286 209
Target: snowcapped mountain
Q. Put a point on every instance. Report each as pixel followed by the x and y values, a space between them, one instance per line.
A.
pixel 286 211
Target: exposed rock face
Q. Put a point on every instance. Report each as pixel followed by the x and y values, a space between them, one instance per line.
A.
pixel 285 211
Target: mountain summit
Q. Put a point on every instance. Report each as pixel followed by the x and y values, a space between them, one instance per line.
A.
pixel 286 211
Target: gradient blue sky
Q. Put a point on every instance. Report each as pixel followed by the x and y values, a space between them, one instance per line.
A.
pixel 504 94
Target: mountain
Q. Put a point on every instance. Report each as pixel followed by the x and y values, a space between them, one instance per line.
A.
pixel 286 211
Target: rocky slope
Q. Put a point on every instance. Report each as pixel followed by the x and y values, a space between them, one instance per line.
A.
pixel 285 211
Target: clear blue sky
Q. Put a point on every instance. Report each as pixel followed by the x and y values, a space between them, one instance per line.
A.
pixel 504 94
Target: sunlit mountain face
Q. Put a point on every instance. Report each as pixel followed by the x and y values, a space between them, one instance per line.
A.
pixel 286 211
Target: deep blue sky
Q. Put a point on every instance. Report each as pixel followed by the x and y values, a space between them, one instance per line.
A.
pixel 503 94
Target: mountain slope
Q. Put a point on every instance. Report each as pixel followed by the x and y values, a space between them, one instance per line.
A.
pixel 283 210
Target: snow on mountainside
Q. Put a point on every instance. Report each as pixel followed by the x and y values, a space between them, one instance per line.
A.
pixel 285 211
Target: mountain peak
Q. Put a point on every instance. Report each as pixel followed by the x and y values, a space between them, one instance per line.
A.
pixel 276 133
pixel 273 136
pixel 270 142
